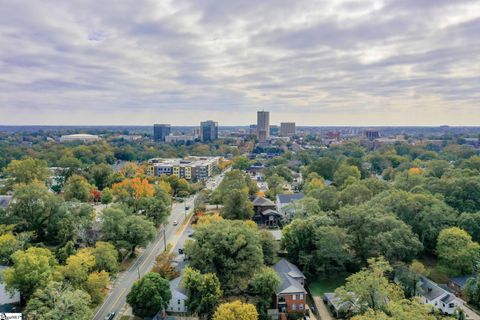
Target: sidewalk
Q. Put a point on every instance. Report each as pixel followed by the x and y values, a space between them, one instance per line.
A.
pixel 322 309
pixel 469 313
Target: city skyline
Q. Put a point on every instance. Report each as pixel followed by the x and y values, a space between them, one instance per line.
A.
pixel 315 63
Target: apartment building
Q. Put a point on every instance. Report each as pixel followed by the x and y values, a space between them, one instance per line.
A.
pixel 192 168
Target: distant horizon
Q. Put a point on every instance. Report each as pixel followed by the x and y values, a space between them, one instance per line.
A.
pixel 241 125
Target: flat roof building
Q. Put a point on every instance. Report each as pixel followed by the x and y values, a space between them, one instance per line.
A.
pixel 208 130
pixel 263 125
pixel 287 129
pixel 161 131
pixel 192 168
pixel 83 137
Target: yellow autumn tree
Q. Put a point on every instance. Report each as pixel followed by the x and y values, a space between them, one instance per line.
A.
pixel 209 218
pixel 236 310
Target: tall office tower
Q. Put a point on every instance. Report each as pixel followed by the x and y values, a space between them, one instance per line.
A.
pixel 160 131
pixel 287 129
pixel 208 130
pixel 372 134
pixel 263 125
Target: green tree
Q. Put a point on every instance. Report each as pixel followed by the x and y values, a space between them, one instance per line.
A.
pixel 270 247
pixel 32 209
pixel 156 208
pixel 26 171
pixel 376 232
pixel 229 248
pixel 57 301
pixel 370 288
pixel 325 167
pixel 31 269
pixel 344 172
pixel 236 310
pixel 299 241
pixel 236 205
pixel 426 214
pixel 126 231
pixel 400 310
pixel 265 284
pixel 78 188
pixel 241 163
pixel 204 292
pixel 107 196
pixel 106 257
pixel 275 185
pixel 332 251
pixel 470 222
pixel 149 294
pixel 101 175
pixel 457 251
pixel 69 165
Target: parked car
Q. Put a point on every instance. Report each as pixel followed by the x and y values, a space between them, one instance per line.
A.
pixel 110 316
pixel 175 223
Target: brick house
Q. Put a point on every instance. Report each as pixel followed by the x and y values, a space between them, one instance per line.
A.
pixel 291 295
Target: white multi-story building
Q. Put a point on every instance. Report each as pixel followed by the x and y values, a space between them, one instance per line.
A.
pixel 432 294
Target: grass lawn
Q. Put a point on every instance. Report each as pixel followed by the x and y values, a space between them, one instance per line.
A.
pixel 319 286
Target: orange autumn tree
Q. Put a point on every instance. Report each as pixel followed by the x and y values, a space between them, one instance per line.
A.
pixel 131 190
pixel 415 170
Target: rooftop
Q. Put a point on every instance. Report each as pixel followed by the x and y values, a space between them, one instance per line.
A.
pixel 432 291
pixel 288 274
pixel 263 202
pixel 287 198
pixel 5 201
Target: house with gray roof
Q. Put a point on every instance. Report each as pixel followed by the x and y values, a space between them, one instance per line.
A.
pixel 265 213
pixel 179 297
pixel 291 295
pixel 284 204
pixel 432 294
pixel 5 201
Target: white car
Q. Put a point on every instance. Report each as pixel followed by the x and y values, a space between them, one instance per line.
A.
pixel 175 223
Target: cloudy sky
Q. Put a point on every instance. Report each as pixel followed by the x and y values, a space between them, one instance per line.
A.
pixel 378 62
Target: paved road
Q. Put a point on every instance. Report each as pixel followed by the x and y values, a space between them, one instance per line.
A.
pixel 116 300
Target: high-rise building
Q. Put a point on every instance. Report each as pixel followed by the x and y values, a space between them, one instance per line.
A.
pixel 160 131
pixel 287 129
pixel 372 134
pixel 208 130
pixel 263 125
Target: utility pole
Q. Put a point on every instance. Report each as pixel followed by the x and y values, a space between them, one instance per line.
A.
pixel 164 239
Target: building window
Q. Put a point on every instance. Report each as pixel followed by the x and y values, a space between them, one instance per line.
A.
pixel 301 296
pixel 294 297
pixel 444 305
pixel 294 306
pixel 178 301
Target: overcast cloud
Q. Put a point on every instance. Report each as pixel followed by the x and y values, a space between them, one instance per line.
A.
pixel 378 62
